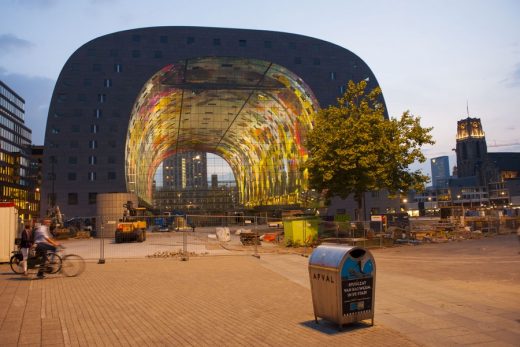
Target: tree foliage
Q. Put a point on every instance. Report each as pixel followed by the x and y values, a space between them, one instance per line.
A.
pixel 353 149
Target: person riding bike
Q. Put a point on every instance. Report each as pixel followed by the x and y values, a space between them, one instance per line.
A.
pixel 44 243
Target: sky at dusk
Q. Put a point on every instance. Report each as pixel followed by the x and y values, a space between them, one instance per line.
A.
pixel 430 57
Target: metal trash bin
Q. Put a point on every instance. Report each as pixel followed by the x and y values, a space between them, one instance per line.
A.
pixel 343 280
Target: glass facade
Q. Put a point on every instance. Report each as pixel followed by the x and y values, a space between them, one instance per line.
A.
pixel 18 183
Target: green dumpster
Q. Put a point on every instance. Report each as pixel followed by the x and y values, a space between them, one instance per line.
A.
pixel 300 230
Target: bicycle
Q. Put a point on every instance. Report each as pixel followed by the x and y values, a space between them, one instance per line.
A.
pixel 71 265
pixel 34 260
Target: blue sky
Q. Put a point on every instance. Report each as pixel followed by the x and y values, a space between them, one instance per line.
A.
pixel 430 57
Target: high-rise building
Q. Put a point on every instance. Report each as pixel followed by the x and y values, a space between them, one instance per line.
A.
pixel 440 171
pixel 186 170
pixel 15 153
pixel 471 148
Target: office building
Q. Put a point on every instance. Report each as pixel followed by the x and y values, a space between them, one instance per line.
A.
pixel 15 153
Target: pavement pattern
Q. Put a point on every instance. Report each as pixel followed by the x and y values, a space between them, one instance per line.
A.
pixel 462 293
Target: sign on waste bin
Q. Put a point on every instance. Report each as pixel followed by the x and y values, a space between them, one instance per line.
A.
pixel 342 283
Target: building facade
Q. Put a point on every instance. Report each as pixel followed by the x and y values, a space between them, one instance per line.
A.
pixel 15 155
pixel 440 167
pixel 186 170
pixel 126 101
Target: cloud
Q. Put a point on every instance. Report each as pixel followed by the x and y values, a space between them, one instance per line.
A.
pixel 37 92
pixel 9 42
pixel 514 80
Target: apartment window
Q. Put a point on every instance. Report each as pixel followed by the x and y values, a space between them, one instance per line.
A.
pixel 92 144
pixel 112 144
pixel 111 175
pixel 297 60
pixel 71 176
pixel 136 38
pixel 107 83
pixel 242 43
pixel 55 130
pixel 216 42
pixel 91 52
pixel 73 160
pixel 87 82
pixel 118 68
pixel 102 97
pixel 136 53
pixel 268 44
pixel 92 198
pixel 111 159
pixel 92 160
pixel 72 198
pixel 342 89
pixel 91 176
pixel 94 128
pixel 157 54
pixel 163 39
pixel 113 128
pixel 114 53
pixel 316 61
pixel 97 113
pixel 62 97
pixel 82 97
pixel 74 128
pixel 74 144
pixel 96 67
pixel 333 76
pixel 190 40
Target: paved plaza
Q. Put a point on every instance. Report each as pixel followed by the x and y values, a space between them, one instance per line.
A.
pixel 455 294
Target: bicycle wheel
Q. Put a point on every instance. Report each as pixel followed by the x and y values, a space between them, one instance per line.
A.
pixel 73 265
pixel 14 262
pixel 54 265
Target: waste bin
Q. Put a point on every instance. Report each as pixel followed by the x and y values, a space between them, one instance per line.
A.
pixel 343 282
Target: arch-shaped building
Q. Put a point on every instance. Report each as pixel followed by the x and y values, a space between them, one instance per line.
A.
pixel 125 101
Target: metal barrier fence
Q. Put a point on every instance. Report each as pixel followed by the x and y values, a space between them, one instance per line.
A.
pixel 170 236
pixel 189 235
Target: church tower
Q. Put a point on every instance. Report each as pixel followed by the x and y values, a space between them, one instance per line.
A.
pixel 471 148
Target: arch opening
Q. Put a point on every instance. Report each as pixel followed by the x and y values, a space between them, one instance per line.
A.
pixel 252 113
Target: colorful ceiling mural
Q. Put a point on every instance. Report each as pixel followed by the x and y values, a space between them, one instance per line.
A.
pixel 252 113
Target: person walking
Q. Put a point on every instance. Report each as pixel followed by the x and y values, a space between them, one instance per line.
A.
pixel 25 245
pixel 44 243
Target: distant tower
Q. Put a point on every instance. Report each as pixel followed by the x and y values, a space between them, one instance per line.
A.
pixel 471 148
pixel 440 171
pixel 186 170
pixel 214 181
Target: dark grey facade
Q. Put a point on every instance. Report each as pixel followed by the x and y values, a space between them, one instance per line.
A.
pixel 96 90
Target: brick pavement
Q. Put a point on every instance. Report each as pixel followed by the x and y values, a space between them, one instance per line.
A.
pixel 206 301
pixel 458 294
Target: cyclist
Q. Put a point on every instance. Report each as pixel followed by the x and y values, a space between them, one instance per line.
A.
pixel 44 243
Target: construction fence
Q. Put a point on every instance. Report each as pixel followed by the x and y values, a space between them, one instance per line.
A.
pixel 209 235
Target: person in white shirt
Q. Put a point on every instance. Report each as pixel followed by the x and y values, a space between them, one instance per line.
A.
pixel 44 243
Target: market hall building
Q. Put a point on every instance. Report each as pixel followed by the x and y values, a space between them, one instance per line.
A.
pixel 126 101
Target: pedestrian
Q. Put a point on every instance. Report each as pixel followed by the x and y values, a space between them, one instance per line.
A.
pixel 25 245
pixel 44 243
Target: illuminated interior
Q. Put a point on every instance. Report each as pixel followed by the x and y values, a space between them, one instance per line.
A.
pixel 252 113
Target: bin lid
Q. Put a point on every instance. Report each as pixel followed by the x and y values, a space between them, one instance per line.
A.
pixel 329 255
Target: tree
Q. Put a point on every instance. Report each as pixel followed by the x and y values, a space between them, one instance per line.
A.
pixel 353 149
